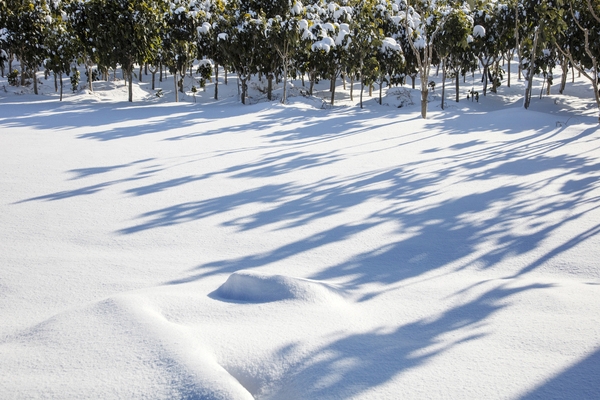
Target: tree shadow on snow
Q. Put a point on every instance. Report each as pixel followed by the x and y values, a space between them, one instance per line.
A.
pixel 353 364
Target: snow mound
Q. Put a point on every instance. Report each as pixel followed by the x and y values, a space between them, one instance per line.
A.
pixel 254 287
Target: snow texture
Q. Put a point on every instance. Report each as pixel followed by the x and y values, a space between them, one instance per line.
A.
pixel 212 250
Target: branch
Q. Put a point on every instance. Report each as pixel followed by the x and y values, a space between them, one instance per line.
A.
pixel 568 54
pixel 589 3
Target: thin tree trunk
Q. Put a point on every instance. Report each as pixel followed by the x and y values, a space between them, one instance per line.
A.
pixel 457 83
pixel 243 80
pixel 424 94
pixel 485 79
pixel 381 91
pixel 564 65
pixel 216 81
pixel 61 87
pixel 90 80
pixel 23 72
pixel 130 78
pixel 284 98
pixel 140 73
pixel 176 89
pixel 530 72
pixel 362 89
pixel 443 81
pixel 270 87
pixel 55 83
pixel 333 89
pixel 35 85
pixel 351 87
pixel 509 56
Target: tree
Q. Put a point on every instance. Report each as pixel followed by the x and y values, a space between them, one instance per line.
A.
pixel 422 26
pixel 580 42
pixel 330 33
pixel 60 44
pixel 239 43
pixel 544 20
pixel 493 35
pixel 27 23
pixel 209 43
pixel 453 43
pixel 284 35
pixel 179 38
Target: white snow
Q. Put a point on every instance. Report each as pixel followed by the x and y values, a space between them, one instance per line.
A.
pixel 324 44
pixel 204 29
pixel 212 250
pixel 478 31
pixel 390 44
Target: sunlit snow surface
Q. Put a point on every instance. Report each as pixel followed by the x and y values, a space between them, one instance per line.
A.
pixel 209 250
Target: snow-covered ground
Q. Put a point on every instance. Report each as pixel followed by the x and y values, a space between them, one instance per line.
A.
pixel 209 250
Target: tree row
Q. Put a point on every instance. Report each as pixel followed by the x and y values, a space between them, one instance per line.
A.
pixel 368 41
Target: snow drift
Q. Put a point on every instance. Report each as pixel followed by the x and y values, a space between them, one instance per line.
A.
pixel 254 287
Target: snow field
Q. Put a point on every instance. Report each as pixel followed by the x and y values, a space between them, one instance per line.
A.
pixel 211 250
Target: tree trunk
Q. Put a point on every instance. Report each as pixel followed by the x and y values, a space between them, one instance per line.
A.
pixel 381 91
pixel 509 56
pixel 225 73
pixel 140 73
pixel 284 97
pixel 424 94
pixel 130 78
pixel 351 87
pixel 597 94
pixel 564 65
pixel 527 99
pixel 362 89
pixel 270 87
pixel 35 85
pixel 243 81
pixel 333 79
pixel 61 87
pixel 55 83
pixel 90 80
pixel 180 81
pixel 216 81
pixel 457 83
pixel 413 78
pixel 443 81
pixel 485 79
pixel 175 85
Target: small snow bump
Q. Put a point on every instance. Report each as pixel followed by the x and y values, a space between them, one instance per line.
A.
pixel 254 287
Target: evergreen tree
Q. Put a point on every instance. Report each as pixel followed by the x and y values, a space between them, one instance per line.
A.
pixel 580 41
pixel 453 43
